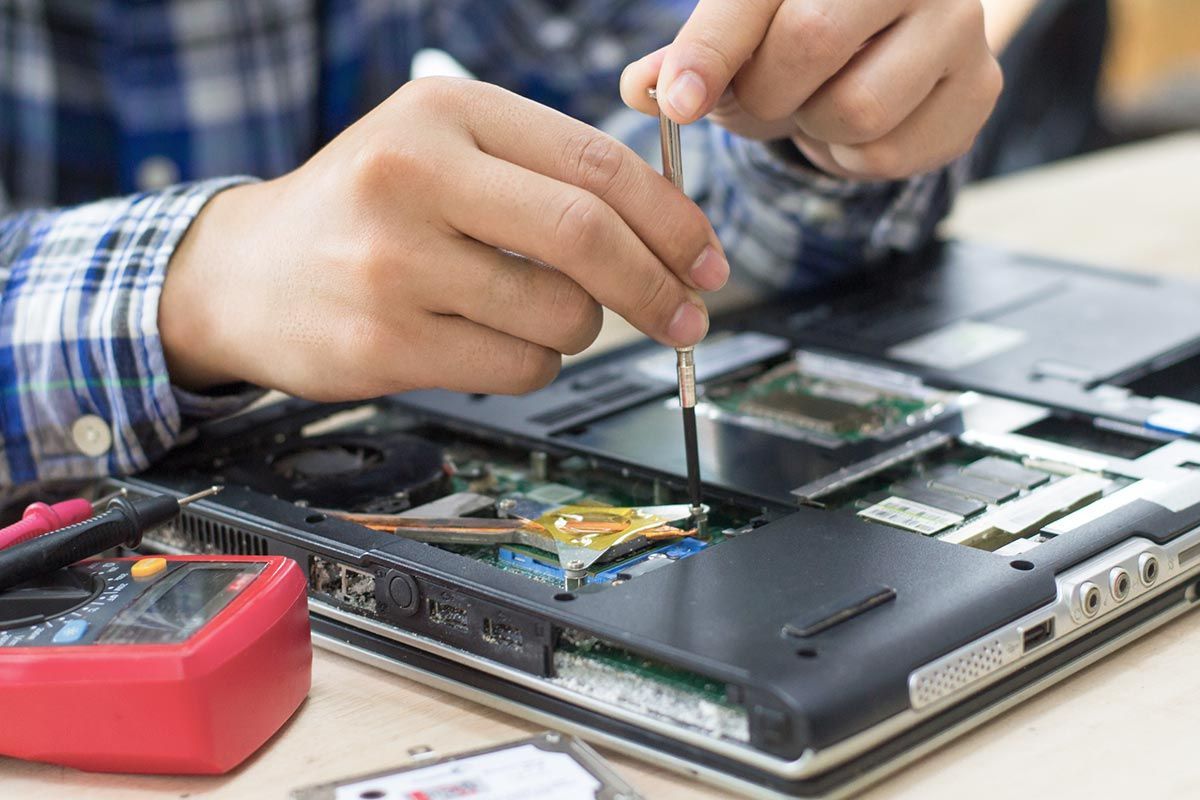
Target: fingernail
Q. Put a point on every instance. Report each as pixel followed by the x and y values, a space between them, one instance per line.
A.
pixel 687 94
pixel 711 270
pixel 689 325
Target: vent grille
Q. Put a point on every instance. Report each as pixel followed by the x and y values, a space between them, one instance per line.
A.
pixel 192 533
pixel 957 671
pixel 596 402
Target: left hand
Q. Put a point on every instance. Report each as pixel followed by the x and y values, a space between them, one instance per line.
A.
pixel 867 89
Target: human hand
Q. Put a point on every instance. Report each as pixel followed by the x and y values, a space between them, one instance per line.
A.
pixel 385 262
pixel 871 89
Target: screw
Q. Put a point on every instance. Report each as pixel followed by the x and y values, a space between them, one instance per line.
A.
pixel 575 564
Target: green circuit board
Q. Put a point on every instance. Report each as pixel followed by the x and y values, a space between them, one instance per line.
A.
pixel 787 397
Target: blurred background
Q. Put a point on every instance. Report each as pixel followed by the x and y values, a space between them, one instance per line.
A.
pixel 1081 75
pixel 1151 78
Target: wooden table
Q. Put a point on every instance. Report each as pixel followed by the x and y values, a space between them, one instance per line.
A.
pixel 1124 727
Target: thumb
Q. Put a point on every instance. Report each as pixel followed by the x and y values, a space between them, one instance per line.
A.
pixel 639 78
pixel 719 37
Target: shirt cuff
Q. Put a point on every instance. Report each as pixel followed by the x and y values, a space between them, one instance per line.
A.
pixel 90 392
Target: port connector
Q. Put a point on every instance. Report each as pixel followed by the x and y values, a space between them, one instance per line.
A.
pixel 448 615
pixel 1037 635
pixel 349 586
pixel 1119 584
pixel 1089 598
pixel 502 634
pixel 1148 568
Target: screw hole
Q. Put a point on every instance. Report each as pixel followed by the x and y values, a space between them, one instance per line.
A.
pixel 1021 564
pixel 313 519
pixel 806 652
pixel 372 794
pixel 563 597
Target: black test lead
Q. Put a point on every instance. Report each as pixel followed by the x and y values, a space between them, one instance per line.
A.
pixel 685 364
pixel 122 523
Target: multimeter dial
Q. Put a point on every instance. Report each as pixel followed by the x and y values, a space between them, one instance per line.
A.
pixel 59 593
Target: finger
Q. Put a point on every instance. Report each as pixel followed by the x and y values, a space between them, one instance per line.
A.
pixel 940 130
pixel 559 224
pixel 475 358
pixel 808 42
pixel 512 295
pixel 639 78
pixel 543 140
pixel 889 78
pixel 718 38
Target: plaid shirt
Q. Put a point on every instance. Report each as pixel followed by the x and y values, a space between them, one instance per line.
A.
pixel 155 104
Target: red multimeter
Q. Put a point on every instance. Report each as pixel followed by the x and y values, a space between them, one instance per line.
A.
pixel 183 664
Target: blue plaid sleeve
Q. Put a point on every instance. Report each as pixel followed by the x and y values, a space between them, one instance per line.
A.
pixel 785 226
pixel 85 386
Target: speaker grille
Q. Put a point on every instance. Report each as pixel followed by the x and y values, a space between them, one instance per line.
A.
pixel 958 671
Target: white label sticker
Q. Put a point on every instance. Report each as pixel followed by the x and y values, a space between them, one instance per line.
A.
pixel 515 773
pixel 910 515
pixel 958 345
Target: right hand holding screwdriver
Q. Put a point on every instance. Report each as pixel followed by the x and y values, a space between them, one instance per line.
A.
pixel 385 263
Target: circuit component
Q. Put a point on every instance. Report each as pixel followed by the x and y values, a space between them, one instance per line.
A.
pixel 918 492
pixel 954 480
pixel 811 411
pixel 830 401
pixel 1031 512
pixel 1008 473
pixel 911 516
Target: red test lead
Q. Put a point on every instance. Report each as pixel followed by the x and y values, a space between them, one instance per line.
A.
pixel 40 518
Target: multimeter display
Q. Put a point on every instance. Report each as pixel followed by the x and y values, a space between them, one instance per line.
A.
pixel 178 606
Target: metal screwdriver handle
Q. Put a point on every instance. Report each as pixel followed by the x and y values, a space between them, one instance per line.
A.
pixel 685 365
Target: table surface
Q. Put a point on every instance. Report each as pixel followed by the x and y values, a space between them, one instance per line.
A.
pixel 1124 726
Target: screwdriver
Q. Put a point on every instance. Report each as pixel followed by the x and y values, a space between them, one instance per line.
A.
pixel 685 362
pixel 122 523
pixel 40 518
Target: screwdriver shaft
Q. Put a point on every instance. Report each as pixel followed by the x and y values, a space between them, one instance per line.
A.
pixel 685 365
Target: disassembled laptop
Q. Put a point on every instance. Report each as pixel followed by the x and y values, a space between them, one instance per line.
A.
pixel 928 497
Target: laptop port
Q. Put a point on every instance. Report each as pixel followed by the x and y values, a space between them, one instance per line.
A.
pixel 1119 584
pixel 1148 569
pixel 1089 598
pixel 1037 635
pixel 502 634
pixel 448 615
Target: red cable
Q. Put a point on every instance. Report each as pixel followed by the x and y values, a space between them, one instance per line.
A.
pixel 40 518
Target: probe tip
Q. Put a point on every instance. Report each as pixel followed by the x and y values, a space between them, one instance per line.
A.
pixel 191 498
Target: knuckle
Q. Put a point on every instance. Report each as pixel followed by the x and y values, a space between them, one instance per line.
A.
pixel 812 33
pixel 992 80
pixel 968 18
pixel 577 316
pixel 861 110
pixel 379 163
pixel 534 367
pixel 579 223
pixel 597 161
pixel 431 94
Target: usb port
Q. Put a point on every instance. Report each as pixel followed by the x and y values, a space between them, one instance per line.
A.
pixel 1038 635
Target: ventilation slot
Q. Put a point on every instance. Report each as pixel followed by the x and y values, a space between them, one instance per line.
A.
pixel 560 414
pixel 596 402
pixel 617 393
pixel 952 674
pixel 192 533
